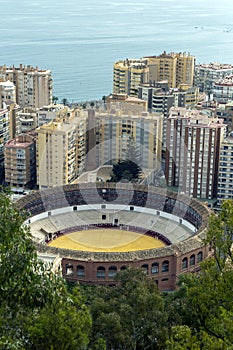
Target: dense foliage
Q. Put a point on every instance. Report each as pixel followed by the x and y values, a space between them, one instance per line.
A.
pixel 39 311
pixel 36 309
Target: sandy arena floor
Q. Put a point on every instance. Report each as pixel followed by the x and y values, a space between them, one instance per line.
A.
pixel 106 240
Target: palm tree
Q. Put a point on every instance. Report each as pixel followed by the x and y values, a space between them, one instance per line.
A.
pixel 65 101
pixel 55 99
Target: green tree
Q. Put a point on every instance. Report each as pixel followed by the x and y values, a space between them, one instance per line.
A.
pixel 130 315
pixel 204 302
pixel 63 324
pixel 55 99
pixel 125 170
pixel 31 296
pixel 132 152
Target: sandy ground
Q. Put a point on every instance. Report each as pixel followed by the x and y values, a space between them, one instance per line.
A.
pixel 106 240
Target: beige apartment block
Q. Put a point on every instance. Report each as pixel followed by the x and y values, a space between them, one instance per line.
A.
pixel 176 68
pixel 128 74
pixel 109 133
pixel 14 124
pixel 192 156
pixel 20 161
pixel 61 150
pixel 33 85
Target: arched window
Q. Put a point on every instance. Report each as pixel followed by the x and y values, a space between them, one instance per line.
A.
pixel 184 263
pixel 100 272
pixel 145 268
pixel 80 271
pixel 165 266
pixel 192 260
pixel 112 271
pixel 69 269
pixel 123 268
pixel 199 257
pixel 155 268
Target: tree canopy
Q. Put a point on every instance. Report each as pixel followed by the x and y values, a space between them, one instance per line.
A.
pixel 36 309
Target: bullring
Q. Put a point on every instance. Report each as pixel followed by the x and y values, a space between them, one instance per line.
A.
pixel 174 219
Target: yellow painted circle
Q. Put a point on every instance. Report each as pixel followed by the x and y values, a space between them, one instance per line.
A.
pixel 106 240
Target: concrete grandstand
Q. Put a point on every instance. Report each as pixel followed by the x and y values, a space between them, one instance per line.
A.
pixel 133 211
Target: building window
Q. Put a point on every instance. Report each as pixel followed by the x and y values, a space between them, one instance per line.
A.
pixel 101 272
pixel 103 217
pixel 145 268
pixel 80 271
pixel 123 268
pixel 199 257
pixel 112 271
pixel 69 269
pixel 192 260
pixel 184 263
pixel 155 268
pixel 165 266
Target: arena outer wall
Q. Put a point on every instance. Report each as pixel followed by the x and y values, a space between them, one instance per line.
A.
pixel 163 265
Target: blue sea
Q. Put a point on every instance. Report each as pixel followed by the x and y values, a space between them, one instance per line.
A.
pixel 79 40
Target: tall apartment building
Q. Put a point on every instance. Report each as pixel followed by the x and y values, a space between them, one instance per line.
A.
pixel 192 156
pixel 223 89
pixel 33 85
pixel 14 124
pixel 8 100
pixel 4 131
pixel 109 134
pixel 225 111
pixel 20 161
pixel 61 150
pixel 161 98
pixel 225 178
pixel 127 75
pixel 206 75
pixel 176 68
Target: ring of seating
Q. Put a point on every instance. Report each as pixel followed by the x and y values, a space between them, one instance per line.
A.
pixel 163 264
